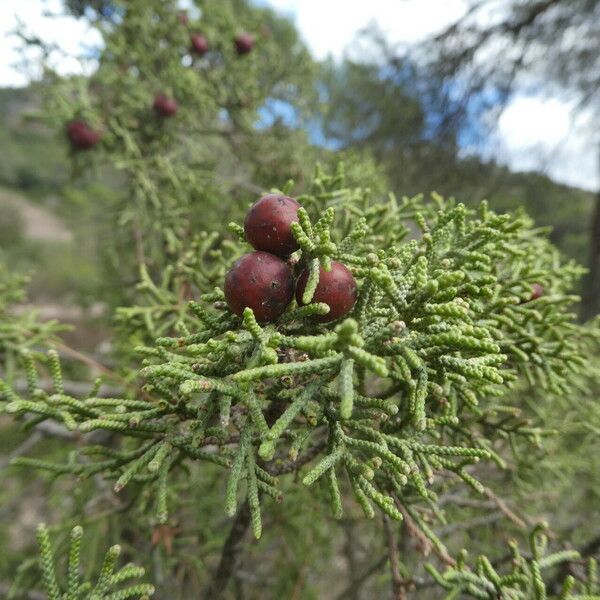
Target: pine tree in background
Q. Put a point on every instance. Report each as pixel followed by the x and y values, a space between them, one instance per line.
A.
pixel 392 363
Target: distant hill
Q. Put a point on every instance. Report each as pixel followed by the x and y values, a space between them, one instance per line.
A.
pixel 566 209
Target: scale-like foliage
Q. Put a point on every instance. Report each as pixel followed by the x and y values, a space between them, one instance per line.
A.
pixel 403 392
pixel 20 328
pixel 524 581
pixel 108 586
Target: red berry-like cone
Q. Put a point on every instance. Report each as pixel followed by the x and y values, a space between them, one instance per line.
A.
pixel 336 288
pixel 244 42
pixel 164 105
pixel 267 224
pixel 199 44
pixel 261 282
pixel 81 135
pixel 537 291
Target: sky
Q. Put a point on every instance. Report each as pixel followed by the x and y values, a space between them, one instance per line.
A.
pixel 533 133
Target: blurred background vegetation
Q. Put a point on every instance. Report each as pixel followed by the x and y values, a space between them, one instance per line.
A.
pixel 42 210
pixel 370 117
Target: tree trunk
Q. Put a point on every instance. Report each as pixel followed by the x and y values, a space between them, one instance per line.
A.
pixel 230 554
pixel 591 292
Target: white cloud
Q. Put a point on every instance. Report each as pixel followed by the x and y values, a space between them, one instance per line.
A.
pixel 548 135
pixel 329 25
pixel 70 35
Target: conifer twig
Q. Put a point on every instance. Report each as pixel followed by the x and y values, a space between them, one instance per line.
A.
pixel 292 465
pixel 501 504
pixel 101 368
pixel 398 583
pixel 424 542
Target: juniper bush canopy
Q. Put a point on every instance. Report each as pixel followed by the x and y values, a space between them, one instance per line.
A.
pixel 381 405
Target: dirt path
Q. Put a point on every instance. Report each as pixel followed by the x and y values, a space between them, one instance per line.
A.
pixel 40 224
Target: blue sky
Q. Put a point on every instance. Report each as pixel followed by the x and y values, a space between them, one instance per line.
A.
pixel 534 132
